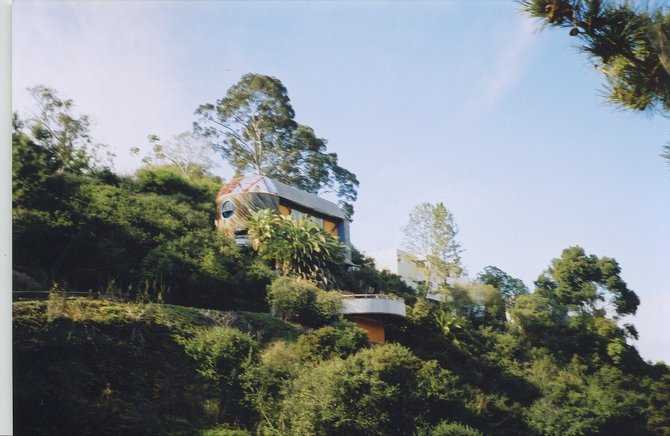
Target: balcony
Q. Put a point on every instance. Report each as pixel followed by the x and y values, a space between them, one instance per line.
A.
pixel 373 304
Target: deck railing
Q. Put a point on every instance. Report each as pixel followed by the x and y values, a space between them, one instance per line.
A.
pixel 375 296
pixel 373 304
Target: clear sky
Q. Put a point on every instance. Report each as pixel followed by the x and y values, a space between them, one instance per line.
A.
pixel 462 102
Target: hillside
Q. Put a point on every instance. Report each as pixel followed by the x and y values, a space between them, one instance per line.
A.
pixel 86 366
pixel 176 335
pixel 93 366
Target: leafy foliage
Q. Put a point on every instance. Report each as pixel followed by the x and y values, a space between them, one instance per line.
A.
pixel 220 353
pixel 186 152
pixel 599 402
pixel 628 44
pixel 659 415
pixel 509 287
pixel 150 235
pixel 29 169
pixel 168 181
pixel 328 342
pixel 100 367
pixel 430 234
pixel 562 365
pixel 580 282
pixel 446 428
pixel 64 136
pixel 256 131
pixel 477 302
pixel 361 394
pixel 295 247
pixel 300 301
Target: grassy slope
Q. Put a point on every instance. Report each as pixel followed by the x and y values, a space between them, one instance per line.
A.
pixel 91 366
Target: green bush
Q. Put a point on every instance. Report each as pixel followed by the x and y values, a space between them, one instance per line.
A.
pixel 224 430
pixel 221 353
pixel 301 301
pixel 220 350
pixel 169 181
pixel 266 382
pixel 445 428
pixel 328 342
pixel 98 367
pixel 382 390
pixel 298 248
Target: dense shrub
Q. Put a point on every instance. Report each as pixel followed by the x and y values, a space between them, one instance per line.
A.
pixel 301 301
pixel 221 353
pixel 169 181
pixel 446 428
pixel 576 402
pixel 86 367
pixel 135 238
pixel 299 248
pixel 382 390
pixel 328 342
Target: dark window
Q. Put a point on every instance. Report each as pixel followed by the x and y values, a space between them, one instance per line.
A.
pixel 227 209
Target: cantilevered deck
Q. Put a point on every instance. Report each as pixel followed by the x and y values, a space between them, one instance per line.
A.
pixel 371 312
pixel 373 304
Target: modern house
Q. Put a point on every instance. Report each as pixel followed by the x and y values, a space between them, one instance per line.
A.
pixel 244 195
pixel 237 200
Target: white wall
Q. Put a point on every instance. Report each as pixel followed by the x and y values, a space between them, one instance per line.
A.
pixel 399 262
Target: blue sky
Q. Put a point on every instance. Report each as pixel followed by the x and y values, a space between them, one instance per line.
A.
pixel 462 102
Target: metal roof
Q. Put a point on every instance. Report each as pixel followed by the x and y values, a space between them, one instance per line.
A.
pixel 265 185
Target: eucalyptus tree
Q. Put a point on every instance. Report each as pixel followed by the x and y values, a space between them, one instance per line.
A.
pixel 430 235
pixel 64 135
pixel 253 126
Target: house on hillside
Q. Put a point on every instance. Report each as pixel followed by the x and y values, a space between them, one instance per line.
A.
pixel 244 195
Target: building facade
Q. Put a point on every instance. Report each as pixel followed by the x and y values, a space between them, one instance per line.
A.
pixel 401 263
pixel 242 196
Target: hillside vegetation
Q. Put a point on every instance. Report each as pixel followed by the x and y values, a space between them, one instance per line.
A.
pixel 100 367
pixel 184 332
pixel 84 366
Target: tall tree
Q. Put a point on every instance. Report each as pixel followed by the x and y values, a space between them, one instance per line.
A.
pixel 190 154
pixel 582 282
pixel 29 169
pixel 430 234
pixel 253 127
pixel 64 135
pixel 509 287
pixel 629 45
